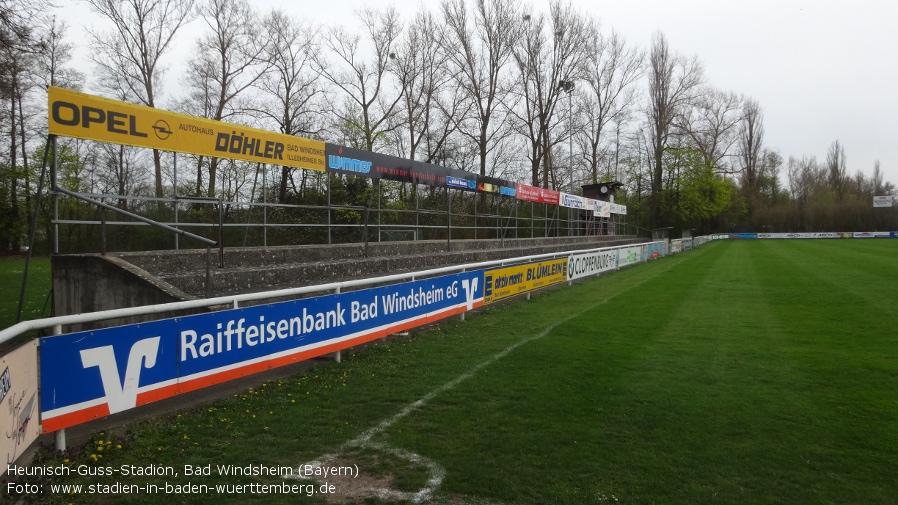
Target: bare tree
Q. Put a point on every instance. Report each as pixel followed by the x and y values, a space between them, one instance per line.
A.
pixel 712 126
pixel 769 180
pixel 52 63
pixel 751 136
pixel 673 80
pixel 550 59
pixel 230 58
pixel 143 31
pixel 429 110
pixel 18 23
pixel 612 70
pixel 837 172
pixel 363 82
pixel 293 85
pixel 480 44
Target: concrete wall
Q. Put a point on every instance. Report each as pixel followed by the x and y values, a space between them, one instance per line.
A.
pixel 91 282
pixel 88 283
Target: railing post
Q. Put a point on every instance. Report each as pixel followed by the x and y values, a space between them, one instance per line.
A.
pixel 59 436
pixel 448 218
pixel 103 232
pixel 208 272
pixel 462 317
pixel 476 220
pixel 220 232
pixel 366 229
pixel 338 356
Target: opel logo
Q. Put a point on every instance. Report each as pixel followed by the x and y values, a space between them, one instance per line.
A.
pixel 163 131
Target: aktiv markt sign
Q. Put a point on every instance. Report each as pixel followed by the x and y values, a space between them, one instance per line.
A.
pixel 79 115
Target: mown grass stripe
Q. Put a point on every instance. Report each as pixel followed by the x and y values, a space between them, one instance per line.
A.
pixel 744 374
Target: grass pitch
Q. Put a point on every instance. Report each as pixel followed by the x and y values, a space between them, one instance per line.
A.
pixel 37 291
pixel 745 372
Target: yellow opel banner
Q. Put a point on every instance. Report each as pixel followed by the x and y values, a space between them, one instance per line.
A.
pixel 79 115
pixel 509 281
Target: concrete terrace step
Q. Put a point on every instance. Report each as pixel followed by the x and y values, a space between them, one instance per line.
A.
pixel 92 282
pixel 259 270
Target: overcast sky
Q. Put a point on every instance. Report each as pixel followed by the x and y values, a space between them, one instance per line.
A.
pixel 822 70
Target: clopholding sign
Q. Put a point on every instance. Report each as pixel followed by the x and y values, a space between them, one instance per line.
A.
pixel 591 263
pixel 92 374
pixel 79 115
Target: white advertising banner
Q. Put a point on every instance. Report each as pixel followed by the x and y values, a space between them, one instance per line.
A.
pixel 602 208
pixel 632 255
pixel 806 235
pixel 585 265
pixel 18 395
pixel 883 201
pixel 676 246
pixel 618 209
pixel 572 201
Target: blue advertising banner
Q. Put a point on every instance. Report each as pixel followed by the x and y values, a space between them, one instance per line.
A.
pixel 92 374
pixel 458 182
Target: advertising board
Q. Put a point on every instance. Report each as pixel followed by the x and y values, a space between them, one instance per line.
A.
pixel 654 250
pixel 883 201
pixel 572 201
pixel 592 263
pixel 618 209
pixel 537 195
pixel 602 208
pixel 631 255
pixel 500 283
pixel 18 402
pixel 351 161
pixel 92 374
pixel 79 115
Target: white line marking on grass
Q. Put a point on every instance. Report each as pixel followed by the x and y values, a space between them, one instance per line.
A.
pixel 437 473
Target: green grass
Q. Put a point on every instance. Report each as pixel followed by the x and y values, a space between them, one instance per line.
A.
pixel 37 291
pixel 746 372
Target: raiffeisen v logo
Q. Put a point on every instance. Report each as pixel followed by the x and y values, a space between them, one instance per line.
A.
pixel 348 164
pixel 470 288
pixel 122 394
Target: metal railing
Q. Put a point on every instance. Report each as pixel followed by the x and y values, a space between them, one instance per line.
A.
pixel 233 301
pixel 324 224
pixel 209 243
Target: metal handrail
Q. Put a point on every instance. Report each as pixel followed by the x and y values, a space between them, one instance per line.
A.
pixel 105 206
pixel 231 300
pixel 79 196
